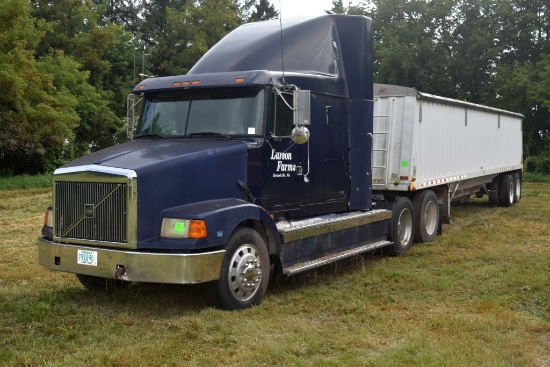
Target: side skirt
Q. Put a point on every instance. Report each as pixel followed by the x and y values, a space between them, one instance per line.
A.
pixel 314 242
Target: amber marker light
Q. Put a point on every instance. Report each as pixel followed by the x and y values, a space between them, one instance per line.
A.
pixel 239 80
pixel 48 218
pixel 197 229
pixel 141 87
pixel 185 84
pixel 176 84
pixel 195 82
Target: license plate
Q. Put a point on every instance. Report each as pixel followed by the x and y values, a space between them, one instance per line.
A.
pixel 87 257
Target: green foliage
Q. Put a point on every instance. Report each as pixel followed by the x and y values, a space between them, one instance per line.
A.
pixel 180 32
pixel 25 182
pixel 538 164
pixel 105 50
pixel 339 8
pixel 36 112
pixel 263 11
pixel 536 177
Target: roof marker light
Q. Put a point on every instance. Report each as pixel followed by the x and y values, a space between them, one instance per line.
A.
pixel 239 80
pixel 141 87
pixel 195 82
pixel 176 84
pixel 186 83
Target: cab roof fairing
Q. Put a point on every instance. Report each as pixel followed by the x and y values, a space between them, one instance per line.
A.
pixel 333 51
pixel 207 80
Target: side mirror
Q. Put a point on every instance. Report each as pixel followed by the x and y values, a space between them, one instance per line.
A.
pixel 302 110
pixel 131 102
pixel 302 115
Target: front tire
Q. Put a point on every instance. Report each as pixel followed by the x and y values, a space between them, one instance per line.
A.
pixel 245 272
pixel 426 216
pixel 401 227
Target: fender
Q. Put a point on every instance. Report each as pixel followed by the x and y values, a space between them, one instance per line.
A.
pixel 221 216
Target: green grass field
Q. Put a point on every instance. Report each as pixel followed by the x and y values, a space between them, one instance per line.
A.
pixel 477 296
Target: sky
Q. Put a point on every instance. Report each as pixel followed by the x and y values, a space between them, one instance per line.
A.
pixel 302 8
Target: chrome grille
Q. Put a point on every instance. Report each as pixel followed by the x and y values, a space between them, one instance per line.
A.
pixel 91 211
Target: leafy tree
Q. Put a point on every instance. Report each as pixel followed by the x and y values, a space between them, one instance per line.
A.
pixel 121 12
pixel 37 111
pixel 83 30
pixel 339 8
pixel 264 11
pixel 158 37
pixel 189 32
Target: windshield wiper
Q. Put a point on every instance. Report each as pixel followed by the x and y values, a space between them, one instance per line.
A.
pixel 158 136
pixel 210 133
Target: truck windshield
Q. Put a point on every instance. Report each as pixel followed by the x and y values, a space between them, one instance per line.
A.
pixel 235 111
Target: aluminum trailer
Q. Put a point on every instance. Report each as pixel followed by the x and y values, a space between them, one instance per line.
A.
pixel 426 147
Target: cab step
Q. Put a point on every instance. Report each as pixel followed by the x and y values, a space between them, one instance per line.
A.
pixel 300 267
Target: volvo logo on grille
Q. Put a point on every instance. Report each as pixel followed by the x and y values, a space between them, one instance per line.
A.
pixel 89 210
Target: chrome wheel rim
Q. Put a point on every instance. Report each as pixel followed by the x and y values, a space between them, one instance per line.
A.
pixel 430 217
pixel 518 188
pixel 511 192
pixel 404 227
pixel 245 272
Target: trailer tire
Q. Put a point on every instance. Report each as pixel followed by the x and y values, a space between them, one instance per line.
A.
pixel 506 191
pixel 401 227
pixel 244 274
pixel 493 191
pixel 426 216
pixel 517 184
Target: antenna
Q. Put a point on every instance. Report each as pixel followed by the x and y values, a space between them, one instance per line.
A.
pixel 282 49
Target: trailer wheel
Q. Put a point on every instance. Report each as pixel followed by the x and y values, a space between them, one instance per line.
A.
pixel 426 216
pixel 517 183
pixel 401 227
pixel 244 274
pixel 506 191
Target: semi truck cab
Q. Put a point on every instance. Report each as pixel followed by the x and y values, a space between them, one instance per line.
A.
pixel 256 161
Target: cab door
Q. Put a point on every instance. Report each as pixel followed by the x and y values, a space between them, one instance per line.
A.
pixel 286 164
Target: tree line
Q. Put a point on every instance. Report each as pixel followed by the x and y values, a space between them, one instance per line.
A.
pixel 67 65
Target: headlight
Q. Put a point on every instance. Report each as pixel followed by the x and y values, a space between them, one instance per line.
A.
pixel 183 228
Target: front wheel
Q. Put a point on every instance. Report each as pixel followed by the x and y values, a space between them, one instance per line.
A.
pixel 245 272
pixel 401 227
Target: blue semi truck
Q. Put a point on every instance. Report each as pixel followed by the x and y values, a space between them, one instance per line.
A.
pixel 256 162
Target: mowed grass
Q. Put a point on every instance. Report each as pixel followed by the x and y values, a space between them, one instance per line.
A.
pixel 477 296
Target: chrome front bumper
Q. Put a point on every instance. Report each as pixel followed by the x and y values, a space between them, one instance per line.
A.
pixel 133 266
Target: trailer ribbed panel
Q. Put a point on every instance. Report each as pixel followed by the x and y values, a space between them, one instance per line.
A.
pixel 424 139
